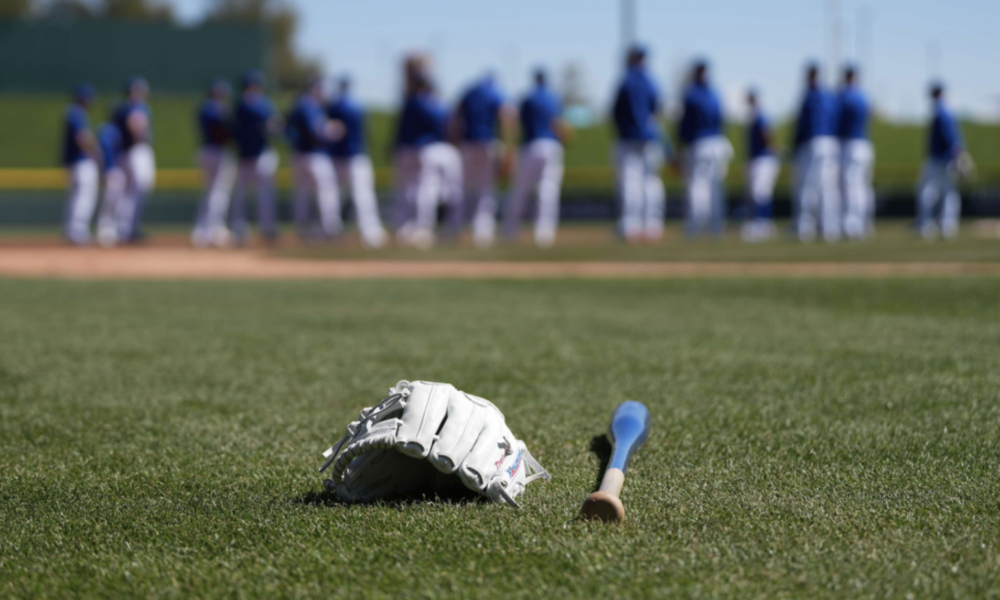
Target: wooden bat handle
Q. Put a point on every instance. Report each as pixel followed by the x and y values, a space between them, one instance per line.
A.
pixel 605 504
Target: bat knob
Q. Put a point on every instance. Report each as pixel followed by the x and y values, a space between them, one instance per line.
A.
pixel 603 506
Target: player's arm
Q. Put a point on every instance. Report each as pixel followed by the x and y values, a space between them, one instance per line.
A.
pixel 87 142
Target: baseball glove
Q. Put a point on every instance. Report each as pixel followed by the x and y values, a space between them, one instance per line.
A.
pixel 427 439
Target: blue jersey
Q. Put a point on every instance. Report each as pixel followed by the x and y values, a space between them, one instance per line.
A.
pixel 213 123
pixel 702 116
pixel 852 122
pixel 539 110
pixel 122 115
pixel 253 112
pixel 636 105
pixel 480 111
pixel 422 122
pixel 304 125
pixel 945 136
pixel 758 136
pixel 350 113
pixel 817 117
pixel 109 138
pixel 75 122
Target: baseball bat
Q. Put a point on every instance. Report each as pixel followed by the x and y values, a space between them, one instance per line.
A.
pixel 629 429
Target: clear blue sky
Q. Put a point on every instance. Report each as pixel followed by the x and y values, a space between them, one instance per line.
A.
pixel 763 43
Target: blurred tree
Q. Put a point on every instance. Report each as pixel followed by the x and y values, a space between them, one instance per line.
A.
pixel 71 9
pixel 288 69
pixel 13 9
pixel 143 10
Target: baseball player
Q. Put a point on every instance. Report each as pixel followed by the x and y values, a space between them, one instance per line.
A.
pixel 422 127
pixel 639 152
pixel 708 153
pixel 817 160
pixel 540 166
pixel 81 156
pixel 483 120
pixel 310 132
pixel 134 120
pixel 217 167
pixel 254 122
pixel 939 203
pixel 405 154
pixel 353 166
pixel 109 138
pixel 857 158
pixel 762 173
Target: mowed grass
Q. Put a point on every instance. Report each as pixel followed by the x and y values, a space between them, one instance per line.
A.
pixel 978 241
pixel 811 438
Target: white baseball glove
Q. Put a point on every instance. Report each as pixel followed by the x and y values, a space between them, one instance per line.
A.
pixel 419 437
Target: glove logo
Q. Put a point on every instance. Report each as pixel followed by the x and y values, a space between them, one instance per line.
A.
pixel 517 465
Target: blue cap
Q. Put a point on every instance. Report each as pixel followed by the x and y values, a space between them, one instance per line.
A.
pixel 252 78
pixel 83 92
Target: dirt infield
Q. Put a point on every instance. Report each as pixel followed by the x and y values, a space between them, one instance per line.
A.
pixel 185 263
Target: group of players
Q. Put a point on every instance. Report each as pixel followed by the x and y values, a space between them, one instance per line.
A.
pixel 451 159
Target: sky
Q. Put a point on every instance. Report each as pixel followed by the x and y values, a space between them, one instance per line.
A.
pixel 900 44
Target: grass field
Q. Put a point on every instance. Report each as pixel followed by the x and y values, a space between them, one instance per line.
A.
pixel 30 128
pixel 811 438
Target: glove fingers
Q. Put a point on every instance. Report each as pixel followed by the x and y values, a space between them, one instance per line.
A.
pixel 485 457
pixel 425 409
pixel 459 434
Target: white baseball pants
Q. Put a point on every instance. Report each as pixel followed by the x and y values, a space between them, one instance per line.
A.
pixel 84 181
pixel 439 182
pixel 260 172
pixel 479 164
pixel 405 176
pixel 539 170
pixel 139 165
pixel 856 163
pixel 218 172
pixel 818 190
pixel 707 166
pixel 114 193
pixel 358 173
pixel 640 189
pixel 939 203
pixel 314 174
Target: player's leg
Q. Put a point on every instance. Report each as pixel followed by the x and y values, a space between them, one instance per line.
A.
pixel 721 154
pixel 549 190
pixel 480 175
pixel 406 172
pixel 429 190
pixel 655 196
pixel 209 160
pixel 218 202
pixel 528 172
pixel 303 188
pixel 143 162
pixel 267 211
pixel 84 180
pixel 359 172
pixel 630 175
pixel 327 194
pixel 868 177
pixel 854 190
pixel 927 195
pixel 699 188
pixel 107 220
pixel 831 214
pixel 809 193
pixel 951 205
pixel 453 188
pixel 246 174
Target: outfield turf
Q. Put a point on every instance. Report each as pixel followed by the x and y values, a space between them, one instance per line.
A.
pixel 811 438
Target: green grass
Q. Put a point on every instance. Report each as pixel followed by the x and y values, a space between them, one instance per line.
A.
pixel 810 438
pixel 30 126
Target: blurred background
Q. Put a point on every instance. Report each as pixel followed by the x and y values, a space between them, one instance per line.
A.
pixel 46 46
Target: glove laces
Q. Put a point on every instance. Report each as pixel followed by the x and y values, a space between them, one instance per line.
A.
pixel 396 399
pixel 498 487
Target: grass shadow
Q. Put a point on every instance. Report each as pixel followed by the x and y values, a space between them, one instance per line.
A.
pixel 600 445
pixel 327 498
